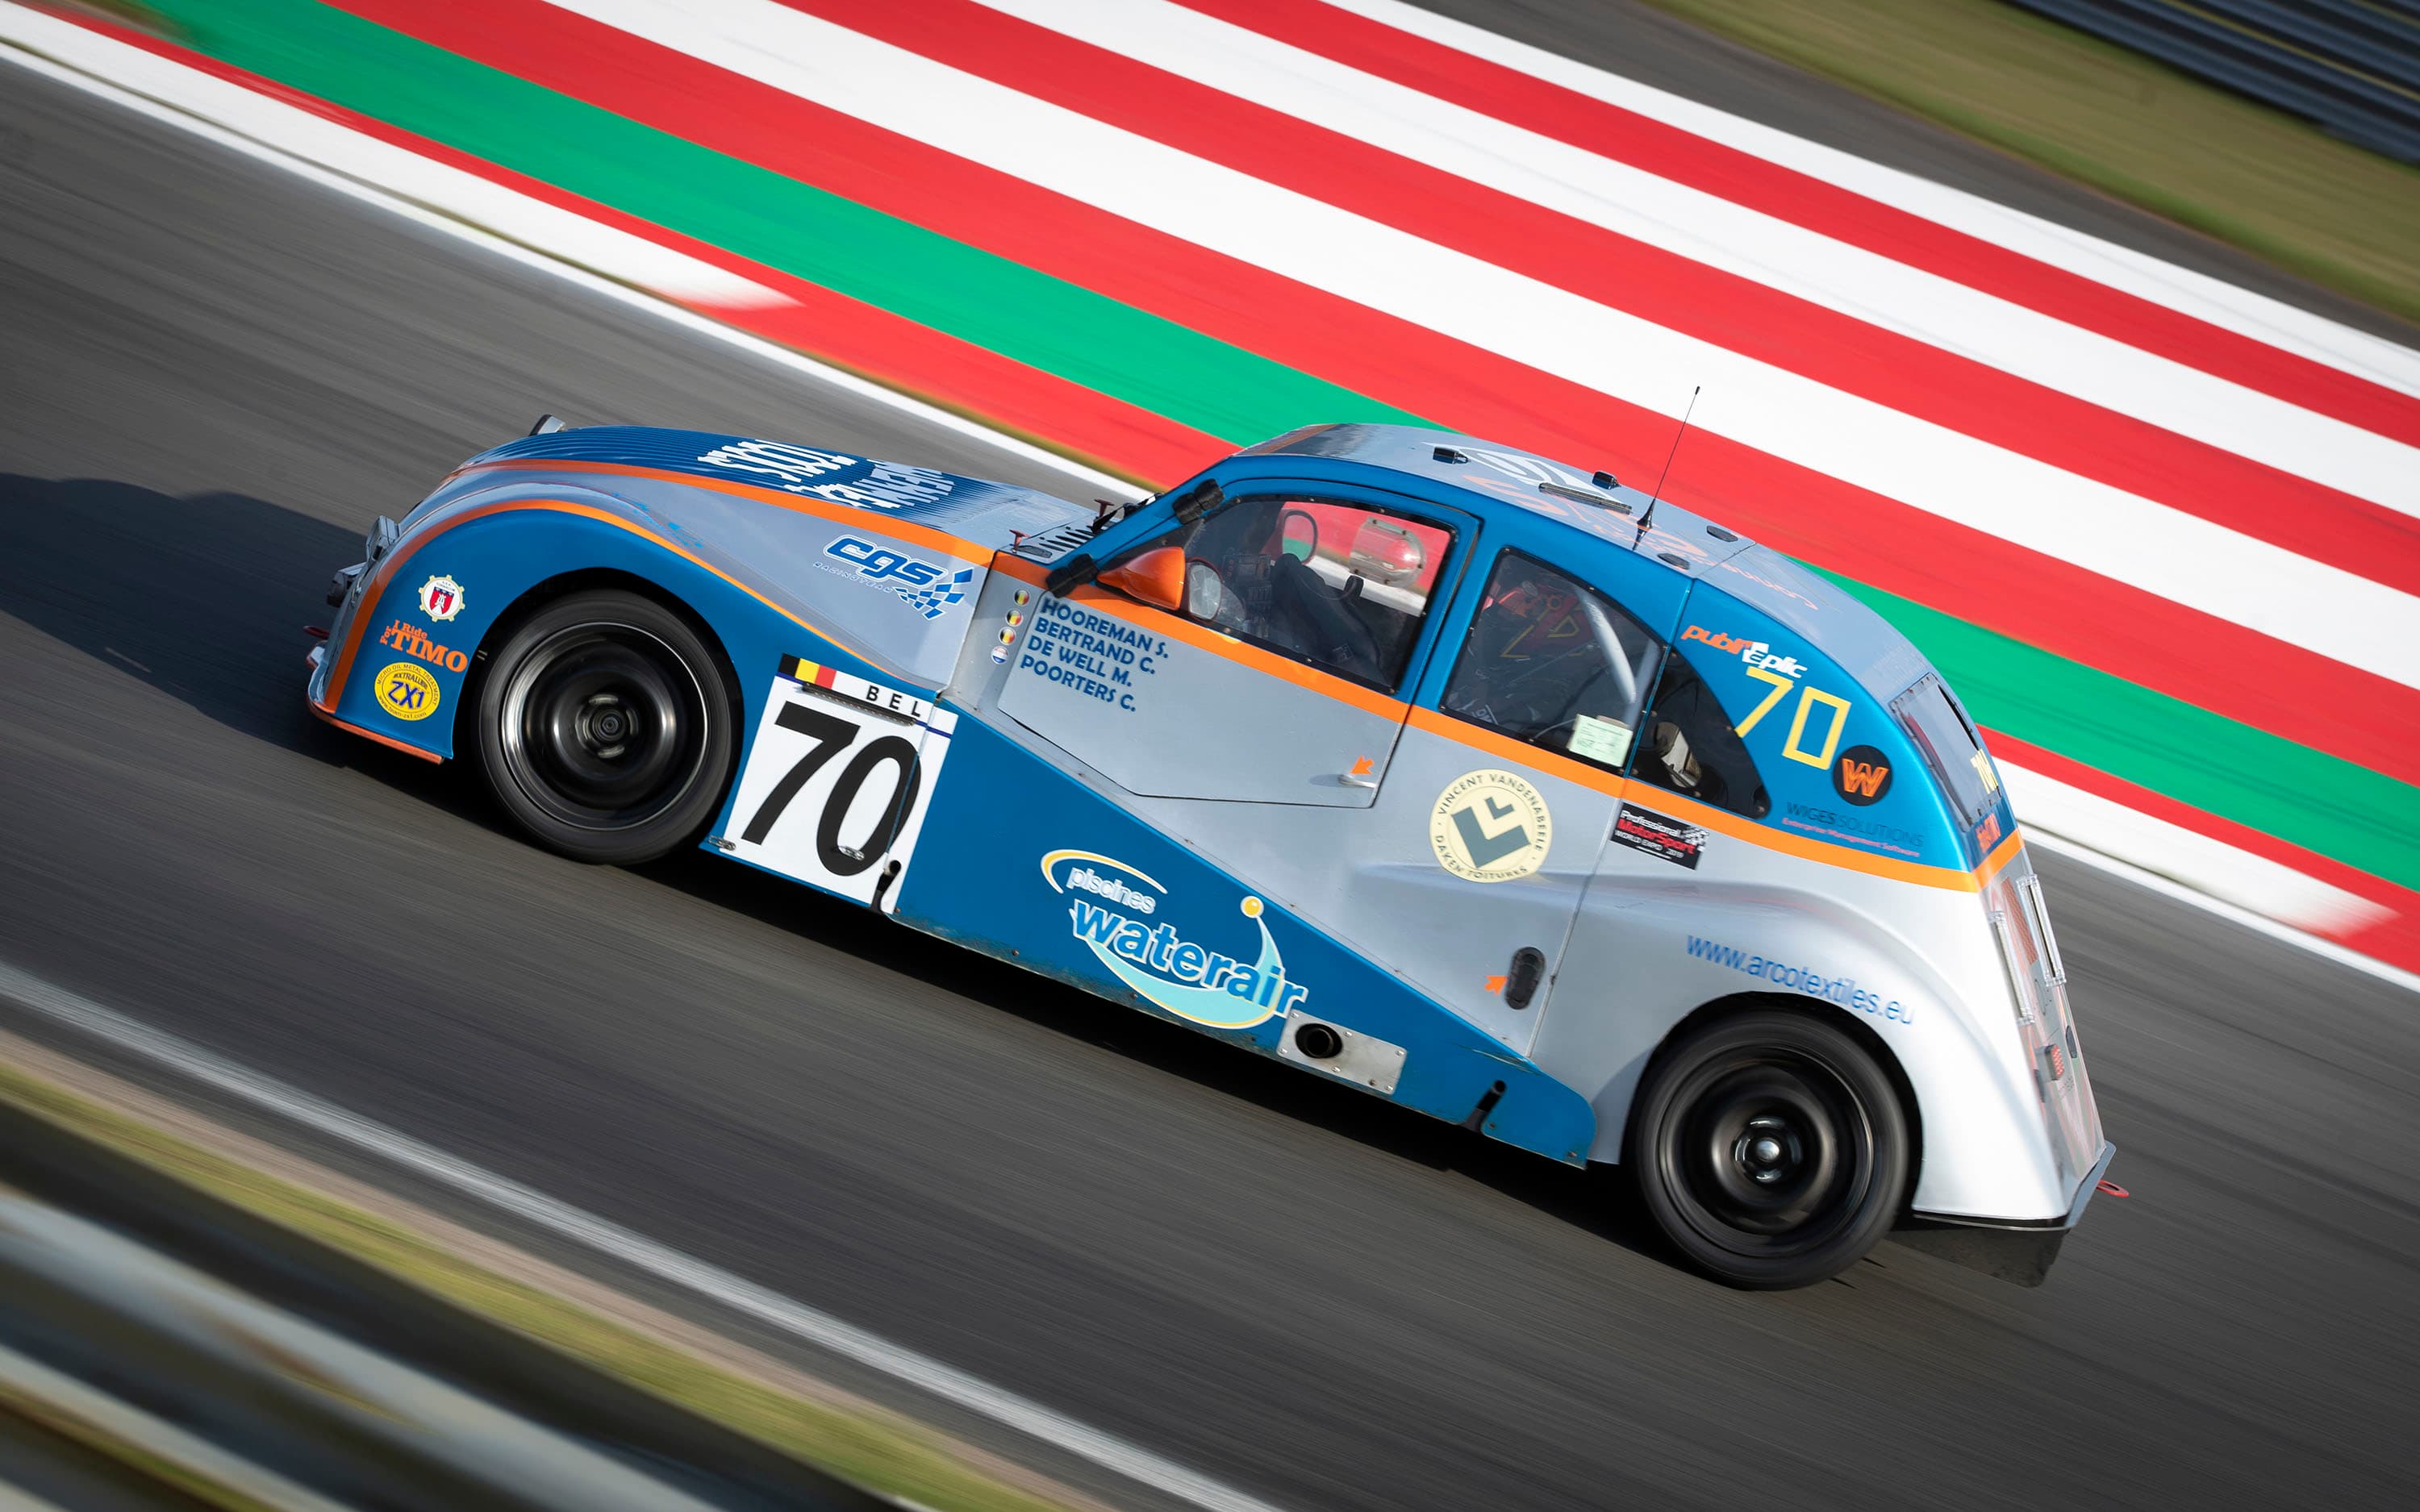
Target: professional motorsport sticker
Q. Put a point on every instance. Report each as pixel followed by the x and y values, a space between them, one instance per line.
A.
pixel 407 692
pixel 441 598
pixel 1112 908
pixel 1861 775
pixel 1665 839
pixel 1489 826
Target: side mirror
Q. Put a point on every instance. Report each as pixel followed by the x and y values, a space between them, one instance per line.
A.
pixel 1155 577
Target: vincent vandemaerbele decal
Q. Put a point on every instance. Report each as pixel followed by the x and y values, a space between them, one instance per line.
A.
pixel 1115 909
pixel 1490 825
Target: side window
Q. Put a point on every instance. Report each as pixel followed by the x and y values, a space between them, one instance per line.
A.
pixel 1343 587
pixel 1553 662
pixel 1692 749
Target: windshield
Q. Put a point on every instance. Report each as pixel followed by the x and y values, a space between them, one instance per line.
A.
pixel 1951 747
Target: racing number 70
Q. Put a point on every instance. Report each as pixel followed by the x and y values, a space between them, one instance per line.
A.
pixel 1807 699
pixel 832 736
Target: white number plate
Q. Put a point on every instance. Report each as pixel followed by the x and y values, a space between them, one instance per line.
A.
pixel 837 781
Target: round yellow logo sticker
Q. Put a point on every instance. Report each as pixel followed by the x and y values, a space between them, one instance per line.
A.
pixel 407 692
pixel 1490 826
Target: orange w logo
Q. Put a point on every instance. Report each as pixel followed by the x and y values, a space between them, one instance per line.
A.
pixel 1864 778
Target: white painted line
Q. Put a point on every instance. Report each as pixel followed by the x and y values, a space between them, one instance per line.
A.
pixel 533 234
pixel 1706 228
pixel 2202 862
pixel 2198 295
pixel 719 1286
pixel 2343 955
pixel 2260 584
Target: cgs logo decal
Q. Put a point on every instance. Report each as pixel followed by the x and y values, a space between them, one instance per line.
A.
pixel 1861 775
pixel 1190 979
pixel 929 587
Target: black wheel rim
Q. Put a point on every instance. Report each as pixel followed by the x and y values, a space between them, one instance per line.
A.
pixel 1768 1152
pixel 603 726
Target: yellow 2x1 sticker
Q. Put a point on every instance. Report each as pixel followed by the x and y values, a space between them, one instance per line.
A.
pixel 407 692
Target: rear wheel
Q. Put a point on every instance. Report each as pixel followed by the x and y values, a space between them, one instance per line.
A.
pixel 605 728
pixel 1770 1149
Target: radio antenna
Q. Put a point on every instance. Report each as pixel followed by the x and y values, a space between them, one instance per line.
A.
pixel 1648 518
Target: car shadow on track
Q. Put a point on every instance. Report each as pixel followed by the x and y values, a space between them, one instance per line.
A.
pixel 204 597
pixel 1598 1200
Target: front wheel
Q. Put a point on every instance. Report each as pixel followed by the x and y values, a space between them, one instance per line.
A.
pixel 605 728
pixel 1770 1149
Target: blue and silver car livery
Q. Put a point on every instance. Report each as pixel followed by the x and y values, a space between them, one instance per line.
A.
pixel 1467 777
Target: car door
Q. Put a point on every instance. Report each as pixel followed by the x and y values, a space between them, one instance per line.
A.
pixel 1506 783
pixel 1465 874
pixel 1254 654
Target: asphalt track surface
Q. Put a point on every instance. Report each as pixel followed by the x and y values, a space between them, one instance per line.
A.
pixel 211 375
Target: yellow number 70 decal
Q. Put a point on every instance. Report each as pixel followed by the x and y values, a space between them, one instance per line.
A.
pixel 1809 697
pixel 1780 685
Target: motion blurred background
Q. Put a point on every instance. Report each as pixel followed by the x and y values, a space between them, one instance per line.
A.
pixel 2075 336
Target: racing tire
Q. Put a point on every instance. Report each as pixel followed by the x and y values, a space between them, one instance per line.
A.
pixel 1771 1149
pixel 606 728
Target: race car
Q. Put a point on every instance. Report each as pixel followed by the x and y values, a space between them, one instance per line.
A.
pixel 1467 778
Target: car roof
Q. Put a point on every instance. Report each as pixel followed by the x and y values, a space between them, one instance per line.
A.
pixel 1492 480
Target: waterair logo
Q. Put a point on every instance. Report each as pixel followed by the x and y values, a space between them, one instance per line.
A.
pixel 1190 979
pixel 929 587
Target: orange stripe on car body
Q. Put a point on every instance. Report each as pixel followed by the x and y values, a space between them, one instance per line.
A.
pixel 404 550
pixel 1024 569
pixel 1724 822
pixel 924 535
pixel 2001 856
pixel 1504 748
pixel 1703 815
pixel 1159 622
pixel 351 729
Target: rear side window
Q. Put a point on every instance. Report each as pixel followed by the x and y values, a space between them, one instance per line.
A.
pixel 1551 661
pixel 1951 748
pixel 1692 749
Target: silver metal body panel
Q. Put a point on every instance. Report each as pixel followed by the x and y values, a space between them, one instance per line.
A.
pixel 1913 964
pixel 1916 964
pixel 1373 879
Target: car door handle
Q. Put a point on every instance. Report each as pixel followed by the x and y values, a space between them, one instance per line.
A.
pixel 1356 780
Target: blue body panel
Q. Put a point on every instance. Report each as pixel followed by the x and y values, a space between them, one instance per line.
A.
pixel 980 880
pixel 499 557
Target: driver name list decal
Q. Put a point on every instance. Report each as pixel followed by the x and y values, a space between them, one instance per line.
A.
pixel 1091 654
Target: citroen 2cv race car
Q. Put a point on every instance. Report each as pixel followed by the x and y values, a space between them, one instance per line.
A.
pixel 1472 780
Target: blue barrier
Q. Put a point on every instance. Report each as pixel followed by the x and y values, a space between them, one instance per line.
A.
pixel 2351 66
